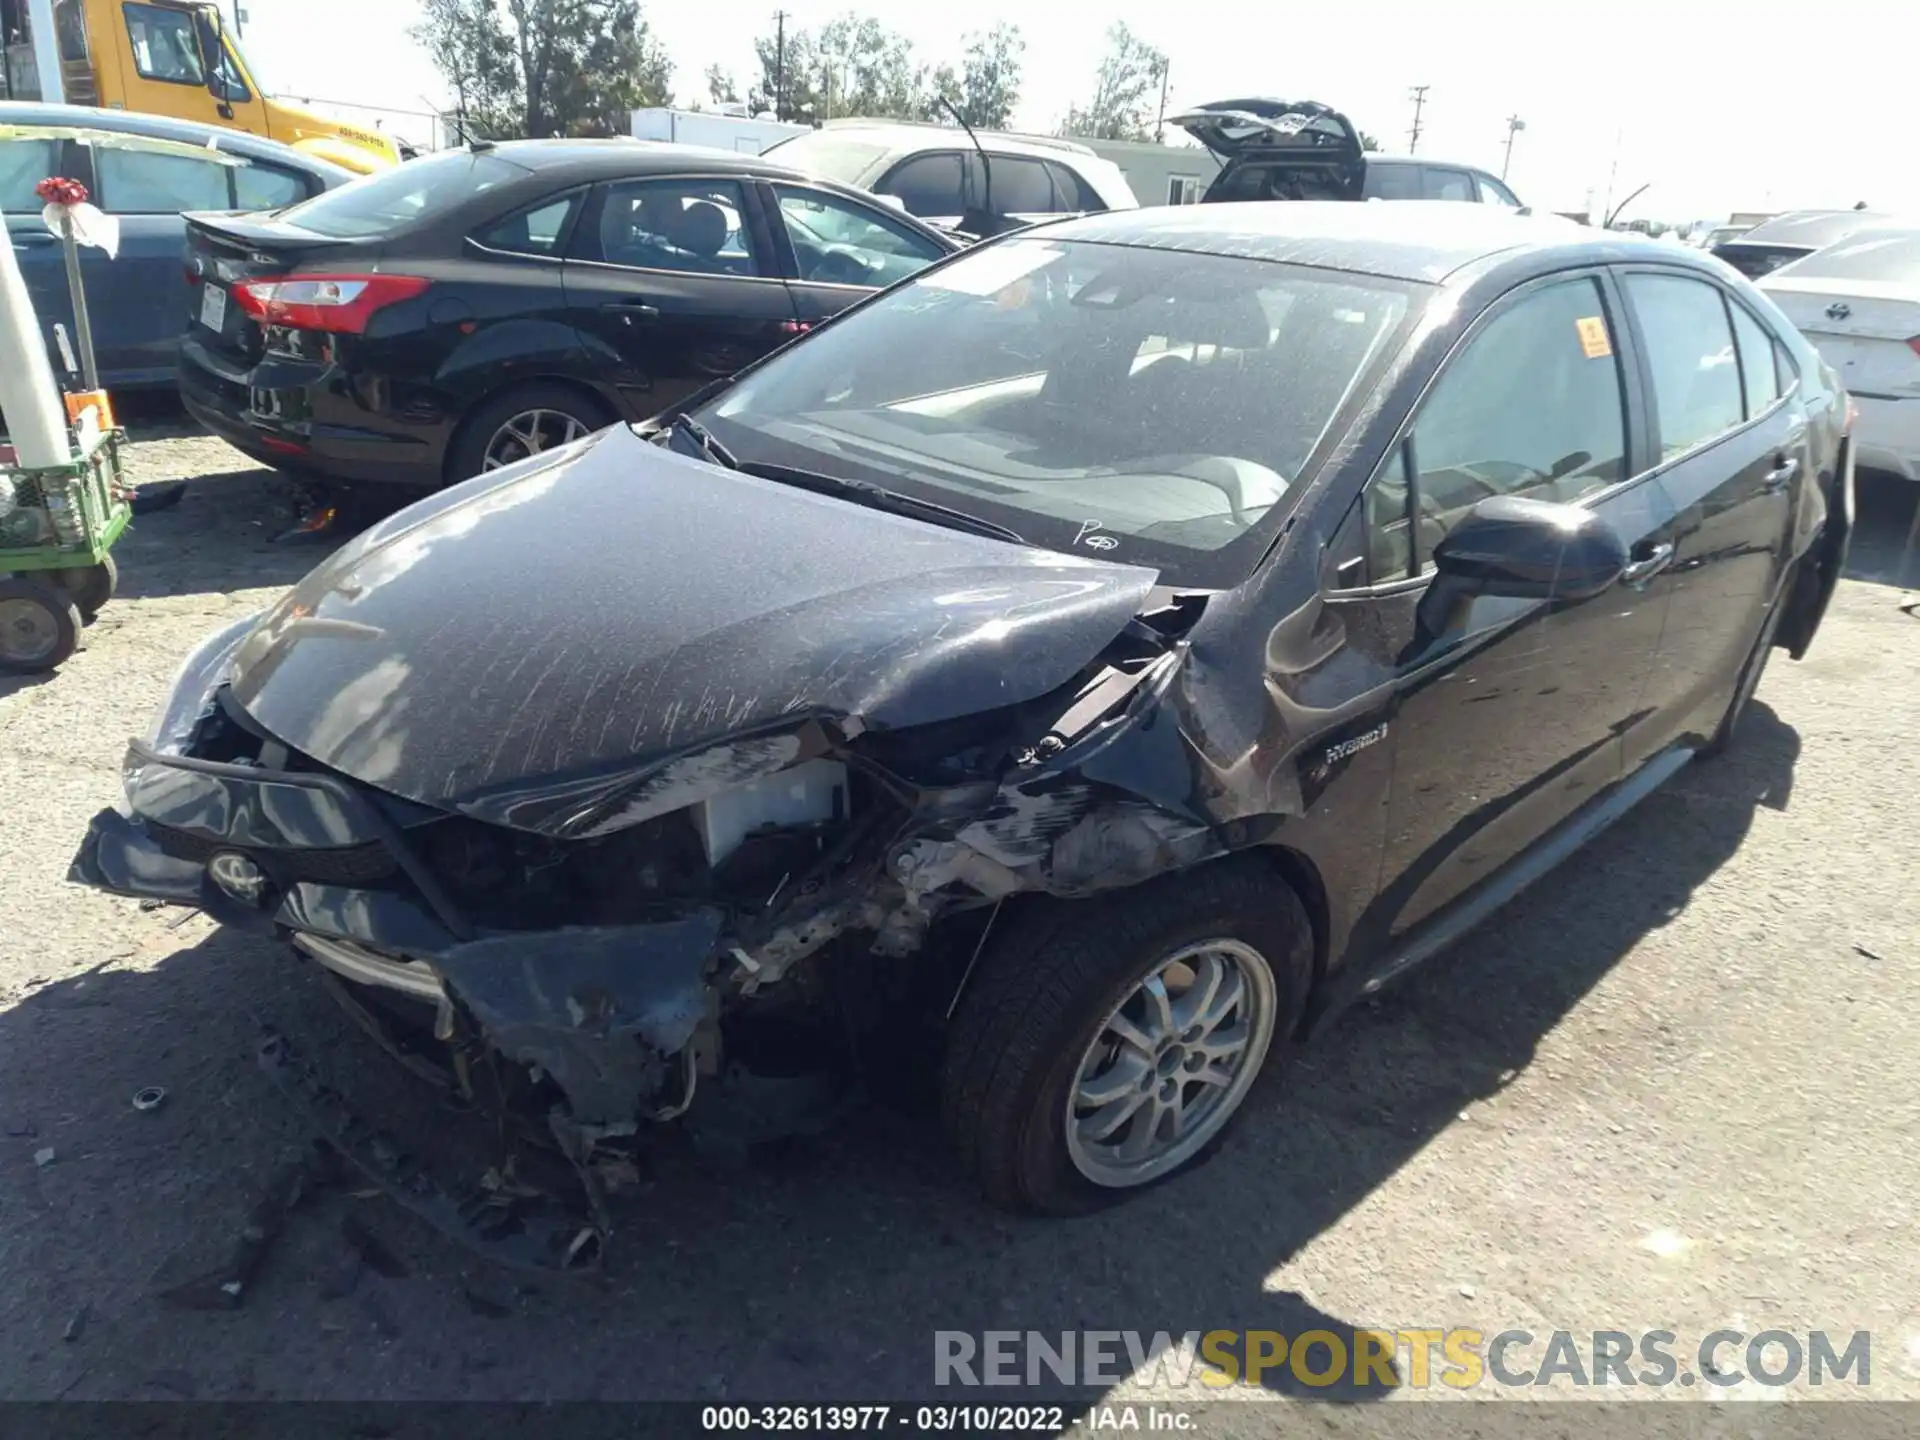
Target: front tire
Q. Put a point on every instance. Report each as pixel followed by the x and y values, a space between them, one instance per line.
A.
pixel 1105 1046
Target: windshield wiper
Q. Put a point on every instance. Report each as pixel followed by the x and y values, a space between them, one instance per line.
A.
pixel 878 497
pixel 710 448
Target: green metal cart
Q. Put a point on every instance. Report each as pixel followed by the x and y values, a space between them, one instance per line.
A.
pixel 57 528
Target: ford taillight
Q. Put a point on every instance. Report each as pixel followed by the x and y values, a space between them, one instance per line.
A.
pixel 336 304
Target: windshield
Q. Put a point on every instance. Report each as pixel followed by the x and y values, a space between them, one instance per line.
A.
pixel 1150 406
pixel 390 199
pixel 1889 256
pixel 834 156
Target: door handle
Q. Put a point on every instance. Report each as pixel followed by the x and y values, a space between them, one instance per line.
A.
pixel 1640 571
pixel 1784 471
pixel 633 309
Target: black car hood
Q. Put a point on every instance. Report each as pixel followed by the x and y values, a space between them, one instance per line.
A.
pixel 592 612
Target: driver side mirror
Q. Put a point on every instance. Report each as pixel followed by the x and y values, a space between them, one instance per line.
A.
pixel 1521 549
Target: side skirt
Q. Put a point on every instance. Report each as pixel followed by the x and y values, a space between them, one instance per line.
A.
pixel 1453 922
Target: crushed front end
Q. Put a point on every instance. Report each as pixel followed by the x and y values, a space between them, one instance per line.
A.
pixel 640 928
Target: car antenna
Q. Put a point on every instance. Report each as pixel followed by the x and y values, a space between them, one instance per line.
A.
pixel 475 143
pixel 986 164
pixel 1607 224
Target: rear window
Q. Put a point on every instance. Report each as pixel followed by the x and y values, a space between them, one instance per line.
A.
pixel 834 156
pixel 1887 256
pixel 393 199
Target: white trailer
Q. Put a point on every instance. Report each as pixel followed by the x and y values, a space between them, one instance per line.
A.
pixel 744 134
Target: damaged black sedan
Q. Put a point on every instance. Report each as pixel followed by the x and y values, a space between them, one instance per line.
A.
pixel 1092 661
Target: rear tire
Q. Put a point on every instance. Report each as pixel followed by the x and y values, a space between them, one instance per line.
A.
pixel 39 627
pixel 1037 1048
pixel 522 422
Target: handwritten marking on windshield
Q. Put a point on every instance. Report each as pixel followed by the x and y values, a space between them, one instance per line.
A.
pixel 1093 541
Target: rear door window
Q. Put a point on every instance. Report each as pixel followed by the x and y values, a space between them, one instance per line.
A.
pixel 148 182
pixel 1439 183
pixel 23 165
pixel 1689 342
pixel 1392 182
pixel 693 226
pixel 928 185
pixel 1757 375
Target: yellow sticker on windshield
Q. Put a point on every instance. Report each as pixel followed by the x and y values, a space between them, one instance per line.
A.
pixel 1593 337
pixel 1015 295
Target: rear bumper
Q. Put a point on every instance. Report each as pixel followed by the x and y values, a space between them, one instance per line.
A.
pixel 303 418
pixel 1887 434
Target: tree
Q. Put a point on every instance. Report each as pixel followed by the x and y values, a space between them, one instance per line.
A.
pixel 720 87
pixel 470 48
pixel 547 67
pixel 1126 91
pixel 990 77
pixel 1367 142
pixel 854 65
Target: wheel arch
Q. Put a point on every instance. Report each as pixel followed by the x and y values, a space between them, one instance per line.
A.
pixel 607 406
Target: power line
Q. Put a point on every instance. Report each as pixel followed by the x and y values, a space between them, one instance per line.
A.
pixel 1419 94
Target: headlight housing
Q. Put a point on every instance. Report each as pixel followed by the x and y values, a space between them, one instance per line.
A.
pixel 193 684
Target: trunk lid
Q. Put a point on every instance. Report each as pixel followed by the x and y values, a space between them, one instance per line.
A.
pixel 1862 328
pixel 1233 128
pixel 224 250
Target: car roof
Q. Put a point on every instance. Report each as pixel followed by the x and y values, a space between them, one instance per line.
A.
pixel 1814 228
pixel 908 137
pixel 623 156
pixel 1428 241
pixel 160 127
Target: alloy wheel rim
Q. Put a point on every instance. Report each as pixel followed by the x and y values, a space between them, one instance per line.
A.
pixel 1170 1063
pixel 28 631
pixel 528 433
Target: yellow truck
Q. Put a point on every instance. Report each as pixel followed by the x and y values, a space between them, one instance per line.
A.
pixel 163 57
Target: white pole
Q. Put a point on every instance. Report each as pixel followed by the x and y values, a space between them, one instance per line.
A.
pixel 29 400
pixel 46 52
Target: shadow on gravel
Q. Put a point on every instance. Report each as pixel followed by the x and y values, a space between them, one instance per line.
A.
pixel 822 1277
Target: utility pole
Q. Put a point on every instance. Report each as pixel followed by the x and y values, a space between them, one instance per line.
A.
pixel 1514 126
pixel 1419 94
pixel 780 65
pixel 1160 123
pixel 239 20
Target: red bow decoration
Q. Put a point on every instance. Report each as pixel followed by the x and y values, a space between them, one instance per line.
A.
pixel 55 191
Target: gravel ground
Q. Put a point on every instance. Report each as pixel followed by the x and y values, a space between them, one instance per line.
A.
pixel 1669 1089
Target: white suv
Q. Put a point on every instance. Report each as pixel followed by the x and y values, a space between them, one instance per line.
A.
pixel 935 173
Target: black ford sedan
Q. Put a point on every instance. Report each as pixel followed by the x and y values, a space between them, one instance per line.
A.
pixel 463 311
pixel 1093 661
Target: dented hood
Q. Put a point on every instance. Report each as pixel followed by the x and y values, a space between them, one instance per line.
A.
pixel 591 612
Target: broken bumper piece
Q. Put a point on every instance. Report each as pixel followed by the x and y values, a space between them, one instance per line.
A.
pixel 513 1229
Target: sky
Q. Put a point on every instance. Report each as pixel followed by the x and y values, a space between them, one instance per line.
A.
pixel 1696 99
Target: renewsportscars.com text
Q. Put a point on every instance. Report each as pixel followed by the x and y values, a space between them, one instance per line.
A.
pixel 1390 1359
